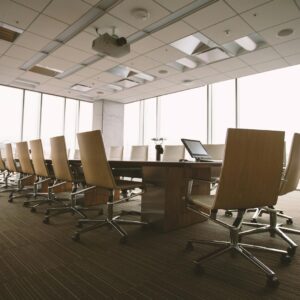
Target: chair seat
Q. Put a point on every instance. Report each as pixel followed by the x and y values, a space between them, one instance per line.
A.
pixel 205 201
pixel 125 184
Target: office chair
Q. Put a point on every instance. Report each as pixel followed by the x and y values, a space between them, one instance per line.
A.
pixel 288 184
pixel 116 153
pixel 250 177
pixel 5 174
pixel 64 173
pixel 173 152
pixel 98 174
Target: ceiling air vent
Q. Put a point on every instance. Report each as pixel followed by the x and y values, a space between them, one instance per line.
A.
pixel 9 33
pixel 45 71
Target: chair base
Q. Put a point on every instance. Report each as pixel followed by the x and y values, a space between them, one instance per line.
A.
pixel 111 222
pixel 258 212
pixel 240 248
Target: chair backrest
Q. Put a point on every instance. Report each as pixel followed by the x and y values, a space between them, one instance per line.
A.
pixel 252 169
pixel 173 152
pixel 2 165
pixel 59 159
pixel 216 151
pixel 116 153
pixel 38 160
pixel 10 162
pixel 139 153
pixel 93 158
pixel 24 158
pixel 292 171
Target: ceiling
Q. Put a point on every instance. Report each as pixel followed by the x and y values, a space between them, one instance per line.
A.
pixel 156 64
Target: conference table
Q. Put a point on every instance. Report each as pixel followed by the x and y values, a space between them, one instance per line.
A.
pixel 162 204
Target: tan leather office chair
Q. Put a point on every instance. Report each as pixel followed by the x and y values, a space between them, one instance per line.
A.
pixel 42 173
pixel 250 177
pixel 116 153
pixel 98 174
pixel 216 151
pixel 173 152
pixel 139 153
pixel 288 184
pixel 26 170
pixel 5 174
pixel 64 173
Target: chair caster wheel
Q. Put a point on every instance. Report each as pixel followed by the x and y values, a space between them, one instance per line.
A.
pixel 33 209
pixel 189 246
pixel 228 213
pixel 123 239
pixel 286 258
pixel 272 281
pixel 46 220
pixel 289 221
pixel 291 251
pixel 253 221
pixel 76 237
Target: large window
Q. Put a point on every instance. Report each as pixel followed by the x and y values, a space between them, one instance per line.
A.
pixel 31 119
pixel 270 100
pixel 85 116
pixel 71 120
pixel 11 103
pixel 184 115
pixel 223 112
pixel 150 125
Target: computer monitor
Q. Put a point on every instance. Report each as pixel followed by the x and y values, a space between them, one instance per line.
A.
pixel 195 149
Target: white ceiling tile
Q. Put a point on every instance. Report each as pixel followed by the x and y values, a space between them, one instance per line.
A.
pixel 107 23
pixel 203 71
pixel 58 83
pixel 210 15
pixel 92 2
pixel 74 78
pixel 181 77
pixel 82 41
pixel 160 83
pixel 228 30
pixel 10 62
pixel 47 27
pixel 35 77
pixel 4 45
pixel 124 58
pixel 19 52
pixel 270 65
pixel 107 77
pixel 38 5
pixel 169 71
pixel 165 54
pixel 215 78
pixel 288 48
pixel 228 65
pixel 71 54
pixel 293 59
pixel 74 8
pixel 88 72
pixel 271 14
pixel 174 4
pixel 56 63
pixel 243 5
pixel 174 32
pixel 16 15
pixel 142 63
pixel 10 71
pixel 271 37
pixel 146 44
pixel 31 41
pixel 5 79
pixel 240 72
pixel 103 64
pixel 259 56
pixel 124 10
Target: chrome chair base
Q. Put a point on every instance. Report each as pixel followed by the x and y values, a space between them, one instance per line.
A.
pixel 258 212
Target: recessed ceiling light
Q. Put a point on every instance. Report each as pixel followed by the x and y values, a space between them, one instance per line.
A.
pixel 141 14
pixel 187 62
pixel 246 43
pixel 162 71
pixel 285 32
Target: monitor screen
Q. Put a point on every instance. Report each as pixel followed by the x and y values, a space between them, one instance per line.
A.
pixel 195 148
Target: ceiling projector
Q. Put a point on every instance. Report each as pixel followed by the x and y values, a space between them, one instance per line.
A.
pixel 111 45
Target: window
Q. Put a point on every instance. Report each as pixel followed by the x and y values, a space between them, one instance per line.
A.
pixel 85 116
pixel 31 119
pixel 11 102
pixel 150 125
pixel 184 115
pixel 71 119
pixel 223 111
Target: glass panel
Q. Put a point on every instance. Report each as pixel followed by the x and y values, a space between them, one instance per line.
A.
pixel 11 103
pixel 131 127
pixel 71 119
pixel 223 110
pixel 150 125
pixel 52 123
pixel 85 116
pixel 270 100
pixel 184 115
pixel 31 122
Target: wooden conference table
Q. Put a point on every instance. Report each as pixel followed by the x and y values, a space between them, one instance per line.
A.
pixel 162 204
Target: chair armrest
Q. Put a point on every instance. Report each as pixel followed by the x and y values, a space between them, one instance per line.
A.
pixel 57 184
pixel 83 191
